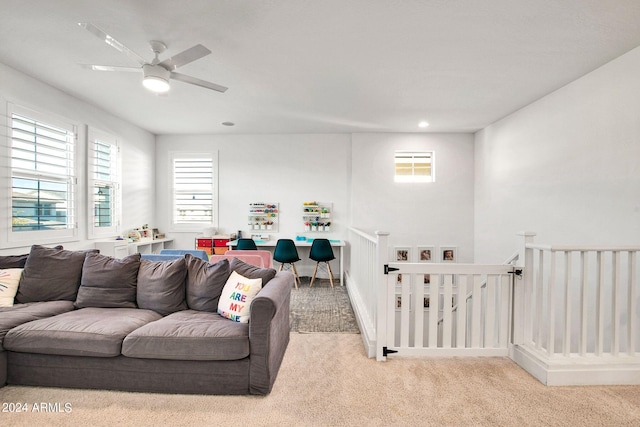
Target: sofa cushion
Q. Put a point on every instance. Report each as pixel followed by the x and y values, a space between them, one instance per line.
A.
pixel 205 282
pixel 51 274
pixel 13 261
pixel 17 261
pixel 251 271
pixel 10 317
pixel 96 332
pixel 108 282
pixel 161 285
pixel 237 295
pixel 189 335
pixel 9 279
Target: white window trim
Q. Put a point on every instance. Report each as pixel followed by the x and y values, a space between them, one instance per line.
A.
pixel 173 155
pixel 26 238
pixel 114 230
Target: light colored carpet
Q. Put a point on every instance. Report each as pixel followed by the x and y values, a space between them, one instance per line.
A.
pixel 327 380
pixel 321 308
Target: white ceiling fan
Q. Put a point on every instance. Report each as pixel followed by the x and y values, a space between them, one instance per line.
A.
pixel 156 74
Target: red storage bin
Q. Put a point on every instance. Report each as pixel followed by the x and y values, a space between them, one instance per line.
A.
pixel 204 243
pixel 218 243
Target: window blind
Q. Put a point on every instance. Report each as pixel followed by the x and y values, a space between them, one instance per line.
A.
pixel 104 182
pixel 42 175
pixel 193 190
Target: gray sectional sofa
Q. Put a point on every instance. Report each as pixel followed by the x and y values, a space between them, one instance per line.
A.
pixel 84 320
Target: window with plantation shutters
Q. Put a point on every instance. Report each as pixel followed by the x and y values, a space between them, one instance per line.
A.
pixel 193 190
pixel 43 181
pixel 103 156
pixel 411 166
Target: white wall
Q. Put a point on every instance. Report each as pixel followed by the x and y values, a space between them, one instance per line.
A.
pixel 566 167
pixel 137 151
pixel 437 214
pixel 288 169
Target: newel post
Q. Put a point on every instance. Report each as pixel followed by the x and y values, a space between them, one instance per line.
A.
pixel 522 288
pixel 382 255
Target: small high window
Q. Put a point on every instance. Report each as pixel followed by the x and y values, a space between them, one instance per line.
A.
pixel 414 166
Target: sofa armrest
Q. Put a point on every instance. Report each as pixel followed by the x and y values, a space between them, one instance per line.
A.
pixel 269 332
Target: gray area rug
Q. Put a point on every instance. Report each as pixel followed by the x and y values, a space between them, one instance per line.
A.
pixel 322 308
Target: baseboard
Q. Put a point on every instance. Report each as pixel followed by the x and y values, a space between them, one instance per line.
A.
pixel 578 371
pixel 367 331
pixel 529 363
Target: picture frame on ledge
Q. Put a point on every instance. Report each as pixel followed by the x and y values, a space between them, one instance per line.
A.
pixel 448 254
pixel 402 254
pixel 426 254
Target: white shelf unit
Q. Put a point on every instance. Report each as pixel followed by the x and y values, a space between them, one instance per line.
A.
pixel 122 248
pixel 263 216
pixel 316 216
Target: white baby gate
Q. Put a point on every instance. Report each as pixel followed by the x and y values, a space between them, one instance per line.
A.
pixel 446 309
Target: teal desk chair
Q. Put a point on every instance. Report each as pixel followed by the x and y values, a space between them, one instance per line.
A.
pixel 321 251
pixel 246 245
pixel 286 253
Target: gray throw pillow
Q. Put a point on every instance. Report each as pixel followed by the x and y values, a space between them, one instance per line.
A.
pixel 51 274
pixel 108 282
pixel 161 286
pixel 251 271
pixel 205 282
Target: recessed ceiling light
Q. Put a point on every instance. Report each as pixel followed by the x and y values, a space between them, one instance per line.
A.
pixel 228 124
pixel 423 124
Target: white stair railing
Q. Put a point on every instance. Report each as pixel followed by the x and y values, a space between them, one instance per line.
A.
pixel 575 314
pixel 583 300
pixel 571 318
pixel 367 254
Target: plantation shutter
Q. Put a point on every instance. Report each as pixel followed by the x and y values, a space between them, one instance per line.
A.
pixel 193 190
pixel 42 174
pixel 104 184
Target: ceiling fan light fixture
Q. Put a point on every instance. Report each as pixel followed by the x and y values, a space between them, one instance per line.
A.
pixel 155 74
pixel 156 78
pixel 155 84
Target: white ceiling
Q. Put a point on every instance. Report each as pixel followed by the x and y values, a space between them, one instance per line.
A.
pixel 310 66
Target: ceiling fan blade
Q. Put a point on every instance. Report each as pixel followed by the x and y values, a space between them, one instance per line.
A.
pixel 110 68
pixel 185 57
pixel 111 41
pixel 198 82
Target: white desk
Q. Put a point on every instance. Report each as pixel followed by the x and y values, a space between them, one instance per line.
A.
pixel 336 243
pixel 122 248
